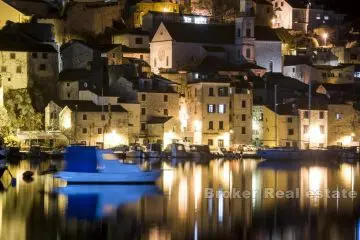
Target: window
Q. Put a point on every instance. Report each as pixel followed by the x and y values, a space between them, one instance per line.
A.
pixel 18 69
pixel 293 69
pixel 276 4
pixel 288 144
pixel 211 108
pixel 222 108
pixel 243 130
pixel 103 117
pixel 322 129
pixel 243 103
pixel 84 117
pixel 12 56
pixel 321 145
pixel 326 17
pixel 211 125
pixel 165 98
pixel 221 125
pixel 306 114
pixel 238 32
pixel 143 97
pixel 42 67
pixel 289 120
pixel 223 91
pixel 282 4
pixel 3 68
pixel 167 61
pixel 141 57
pixel 143 111
pixel 321 115
pixel 166 112
pixel 290 131
pixel 248 53
pixel 318 17
pixel 210 142
pixel 220 143
pixel 211 91
pixel 143 126
pixel 353 57
pixel 44 55
pixel 138 40
pixel 271 67
pixel 306 129
pixel 68 95
pixel 243 117
pixel 99 130
pixel 84 130
pixel 34 55
pixel 248 32
pixel 339 116
pixel 68 84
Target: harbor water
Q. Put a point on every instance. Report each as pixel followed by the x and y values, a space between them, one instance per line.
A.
pixel 219 200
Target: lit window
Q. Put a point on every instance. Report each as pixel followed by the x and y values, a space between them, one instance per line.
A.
pixel 211 108
pixel 211 125
pixel 243 130
pixel 318 16
pixel 187 19
pixel 220 143
pixel 321 115
pixel 222 108
pixel 339 116
pixel 322 129
pixel 200 20
pixel 326 17
pixel 306 129
pixel 196 75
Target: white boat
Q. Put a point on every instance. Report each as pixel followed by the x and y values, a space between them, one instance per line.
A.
pixel 200 152
pixel 102 200
pixel 135 152
pixel 176 150
pixel 154 150
pixel 92 165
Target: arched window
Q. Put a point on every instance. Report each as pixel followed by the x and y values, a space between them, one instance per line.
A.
pixel 248 53
pixel 248 32
pixel 238 32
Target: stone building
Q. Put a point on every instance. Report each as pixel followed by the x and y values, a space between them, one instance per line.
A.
pixel 89 124
pixel 10 13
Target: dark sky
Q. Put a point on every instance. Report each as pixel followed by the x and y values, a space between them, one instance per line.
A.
pixel 349 7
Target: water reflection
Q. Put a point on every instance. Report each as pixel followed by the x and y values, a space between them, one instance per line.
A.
pixel 177 208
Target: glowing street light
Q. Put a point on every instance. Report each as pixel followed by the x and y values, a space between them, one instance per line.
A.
pixel 273 20
pixel 325 37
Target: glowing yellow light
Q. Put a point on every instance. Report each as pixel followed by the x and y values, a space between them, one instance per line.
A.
pixel 315 134
pixel 183 117
pixel 316 178
pixel 197 187
pixel 67 121
pixel 183 198
pixel 168 179
pixel 113 139
pixel 165 9
pixel 168 138
pixel 197 132
pixel 346 140
pixel 347 173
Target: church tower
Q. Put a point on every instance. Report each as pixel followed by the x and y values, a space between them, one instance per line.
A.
pixel 244 33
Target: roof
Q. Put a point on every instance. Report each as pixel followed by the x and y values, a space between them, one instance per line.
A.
pixel 18 43
pixel 339 87
pixel 73 74
pixel 262 2
pixel 296 3
pixel 290 60
pixel 88 106
pixel 213 64
pixel 265 33
pixel 329 67
pixel 126 49
pixel 105 47
pixel 201 33
pixel 133 31
pixel 158 120
pixel 286 109
pixel 214 49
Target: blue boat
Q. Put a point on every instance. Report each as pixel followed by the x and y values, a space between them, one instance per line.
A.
pixel 93 202
pixel 89 165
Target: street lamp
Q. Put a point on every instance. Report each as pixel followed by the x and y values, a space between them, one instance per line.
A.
pixel 273 20
pixel 325 37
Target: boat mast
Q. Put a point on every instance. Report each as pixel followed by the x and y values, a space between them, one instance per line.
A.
pixel 275 108
pixel 309 110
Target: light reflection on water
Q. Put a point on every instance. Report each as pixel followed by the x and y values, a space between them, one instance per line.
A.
pixel 179 210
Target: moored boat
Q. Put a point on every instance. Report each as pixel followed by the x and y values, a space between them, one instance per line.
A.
pixel 200 152
pixel 91 165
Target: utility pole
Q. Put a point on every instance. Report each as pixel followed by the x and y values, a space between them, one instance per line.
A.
pixel 309 110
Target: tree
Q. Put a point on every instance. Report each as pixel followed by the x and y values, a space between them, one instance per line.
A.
pixel 21 113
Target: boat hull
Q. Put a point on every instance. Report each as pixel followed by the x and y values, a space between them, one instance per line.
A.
pixel 109 178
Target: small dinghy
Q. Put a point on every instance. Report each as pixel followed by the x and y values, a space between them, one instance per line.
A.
pixel 93 166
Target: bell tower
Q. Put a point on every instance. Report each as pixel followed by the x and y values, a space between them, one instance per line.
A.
pixel 244 32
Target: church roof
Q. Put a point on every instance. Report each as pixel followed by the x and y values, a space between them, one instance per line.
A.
pixel 201 33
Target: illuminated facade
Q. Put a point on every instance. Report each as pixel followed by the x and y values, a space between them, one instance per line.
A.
pixel 343 125
pixel 313 128
pixel 9 13
pixel 143 8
